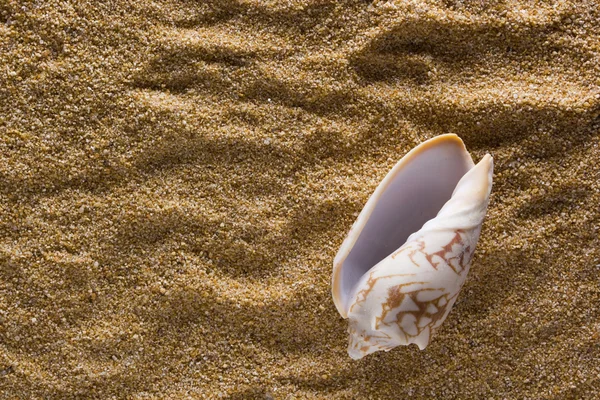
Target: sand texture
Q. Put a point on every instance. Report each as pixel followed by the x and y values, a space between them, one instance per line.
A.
pixel 177 176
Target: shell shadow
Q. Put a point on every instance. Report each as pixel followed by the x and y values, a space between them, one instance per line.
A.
pixel 283 326
pixel 248 250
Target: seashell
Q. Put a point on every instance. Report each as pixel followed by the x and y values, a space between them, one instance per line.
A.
pixel 396 287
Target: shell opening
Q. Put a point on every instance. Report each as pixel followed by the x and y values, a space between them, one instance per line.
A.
pixel 413 193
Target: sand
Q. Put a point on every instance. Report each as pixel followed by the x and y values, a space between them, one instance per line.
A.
pixel 177 176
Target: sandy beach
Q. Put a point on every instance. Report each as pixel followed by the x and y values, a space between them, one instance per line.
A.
pixel 176 178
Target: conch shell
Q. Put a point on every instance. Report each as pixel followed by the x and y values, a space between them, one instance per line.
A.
pixel 396 287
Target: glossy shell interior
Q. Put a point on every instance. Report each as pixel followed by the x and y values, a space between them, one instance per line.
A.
pixel 411 194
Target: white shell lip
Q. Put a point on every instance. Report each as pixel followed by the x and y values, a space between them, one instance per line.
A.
pixel 452 143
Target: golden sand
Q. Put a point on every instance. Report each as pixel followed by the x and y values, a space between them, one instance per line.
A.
pixel 176 177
